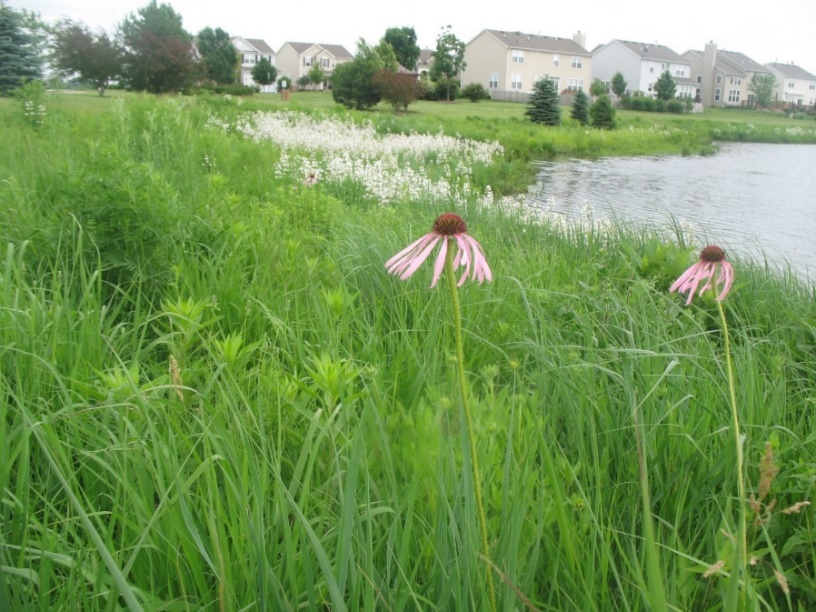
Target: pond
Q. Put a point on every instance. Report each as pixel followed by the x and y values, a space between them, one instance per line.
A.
pixel 758 201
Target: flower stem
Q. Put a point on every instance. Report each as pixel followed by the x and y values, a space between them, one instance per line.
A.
pixel 742 545
pixel 474 462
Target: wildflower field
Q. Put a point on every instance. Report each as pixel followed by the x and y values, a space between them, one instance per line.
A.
pixel 214 395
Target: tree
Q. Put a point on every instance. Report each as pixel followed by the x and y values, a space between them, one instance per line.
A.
pixel 316 76
pixel 19 59
pixel 219 55
pixel 264 73
pixel 387 55
pixel 449 57
pixel 763 87
pixel 158 51
pixel 304 81
pixel 404 42
pixel 618 84
pixel 543 106
pixel 399 89
pixel 665 86
pixel 353 83
pixel 580 108
pixel 76 50
pixel 598 87
pixel 602 113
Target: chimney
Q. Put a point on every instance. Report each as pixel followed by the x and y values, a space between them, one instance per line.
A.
pixel 580 39
pixel 709 61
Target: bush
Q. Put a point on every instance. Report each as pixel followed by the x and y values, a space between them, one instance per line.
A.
pixel 675 106
pixel 580 108
pixel 475 92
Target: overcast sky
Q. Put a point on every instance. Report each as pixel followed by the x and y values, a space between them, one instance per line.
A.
pixel 765 32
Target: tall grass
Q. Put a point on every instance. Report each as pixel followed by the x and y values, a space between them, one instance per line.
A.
pixel 213 397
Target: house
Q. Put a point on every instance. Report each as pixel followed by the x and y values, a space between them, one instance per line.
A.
pixel 425 62
pixel 253 50
pixel 641 64
pixel 723 78
pixel 509 63
pixel 795 85
pixel 296 59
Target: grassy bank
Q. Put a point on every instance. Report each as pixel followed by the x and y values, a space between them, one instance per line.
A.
pixel 214 397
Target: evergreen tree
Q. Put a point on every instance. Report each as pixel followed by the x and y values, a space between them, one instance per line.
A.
pixel 580 108
pixel 618 84
pixel 602 113
pixel 665 86
pixel 19 60
pixel 353 83
pixel 543 106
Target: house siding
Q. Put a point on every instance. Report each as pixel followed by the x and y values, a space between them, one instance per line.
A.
pixel 487 55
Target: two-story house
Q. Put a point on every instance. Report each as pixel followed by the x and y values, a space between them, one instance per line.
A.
pixel 509 63
pixel 425 61
pixel 795 85
pixel 253 50
pixel 641 64
pixel 296 59
pixel 723 78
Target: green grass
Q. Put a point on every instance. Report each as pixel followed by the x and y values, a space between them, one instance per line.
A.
pixel 212 396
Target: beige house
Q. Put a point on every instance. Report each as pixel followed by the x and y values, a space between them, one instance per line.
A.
pixel 425 61
pixel 723 78
pixel 295 59
pixel 641 64
pixel 794 85
pixel 253 50
pixel 509 63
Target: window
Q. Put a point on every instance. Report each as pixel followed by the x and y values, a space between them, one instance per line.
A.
pixel 518 57
pixel 575 84
pixel 515 81
pixel 651 69
pixel 557 81
pixel 307 61
pixel 493 80
pixel 791 84
pixel 556 59
pixel 719 79
pixel 324 62
pixel 736 80
pixel 812 85
pixel 699 78
pixel 681 72
pixel 716 95
pixel 733 95
pixel 576 62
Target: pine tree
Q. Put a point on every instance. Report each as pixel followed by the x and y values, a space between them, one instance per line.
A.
pixel 580 108
pixel 19 61
pixel 543 106
pixel 602 113
pixel 666 87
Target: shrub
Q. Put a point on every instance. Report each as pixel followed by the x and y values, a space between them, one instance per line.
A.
pixel 580 108
pixel 675 106
pixel 475 92
pixel 233 89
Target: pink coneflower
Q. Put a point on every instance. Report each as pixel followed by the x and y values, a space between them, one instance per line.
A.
pixel 712 261
pixel 310 180
pixel 447 226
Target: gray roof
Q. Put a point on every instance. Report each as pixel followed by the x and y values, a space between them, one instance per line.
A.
pixel 654 52
pixel 260 45
pixel 425 57
pixel 536 42
pixel 792 70
pixel 741 61
pixel 335 50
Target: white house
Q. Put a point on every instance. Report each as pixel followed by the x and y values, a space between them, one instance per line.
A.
pixel 252 50
pixel 795 85
pixel 641 64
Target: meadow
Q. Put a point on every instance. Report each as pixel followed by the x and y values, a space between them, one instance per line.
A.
pixel 213 396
